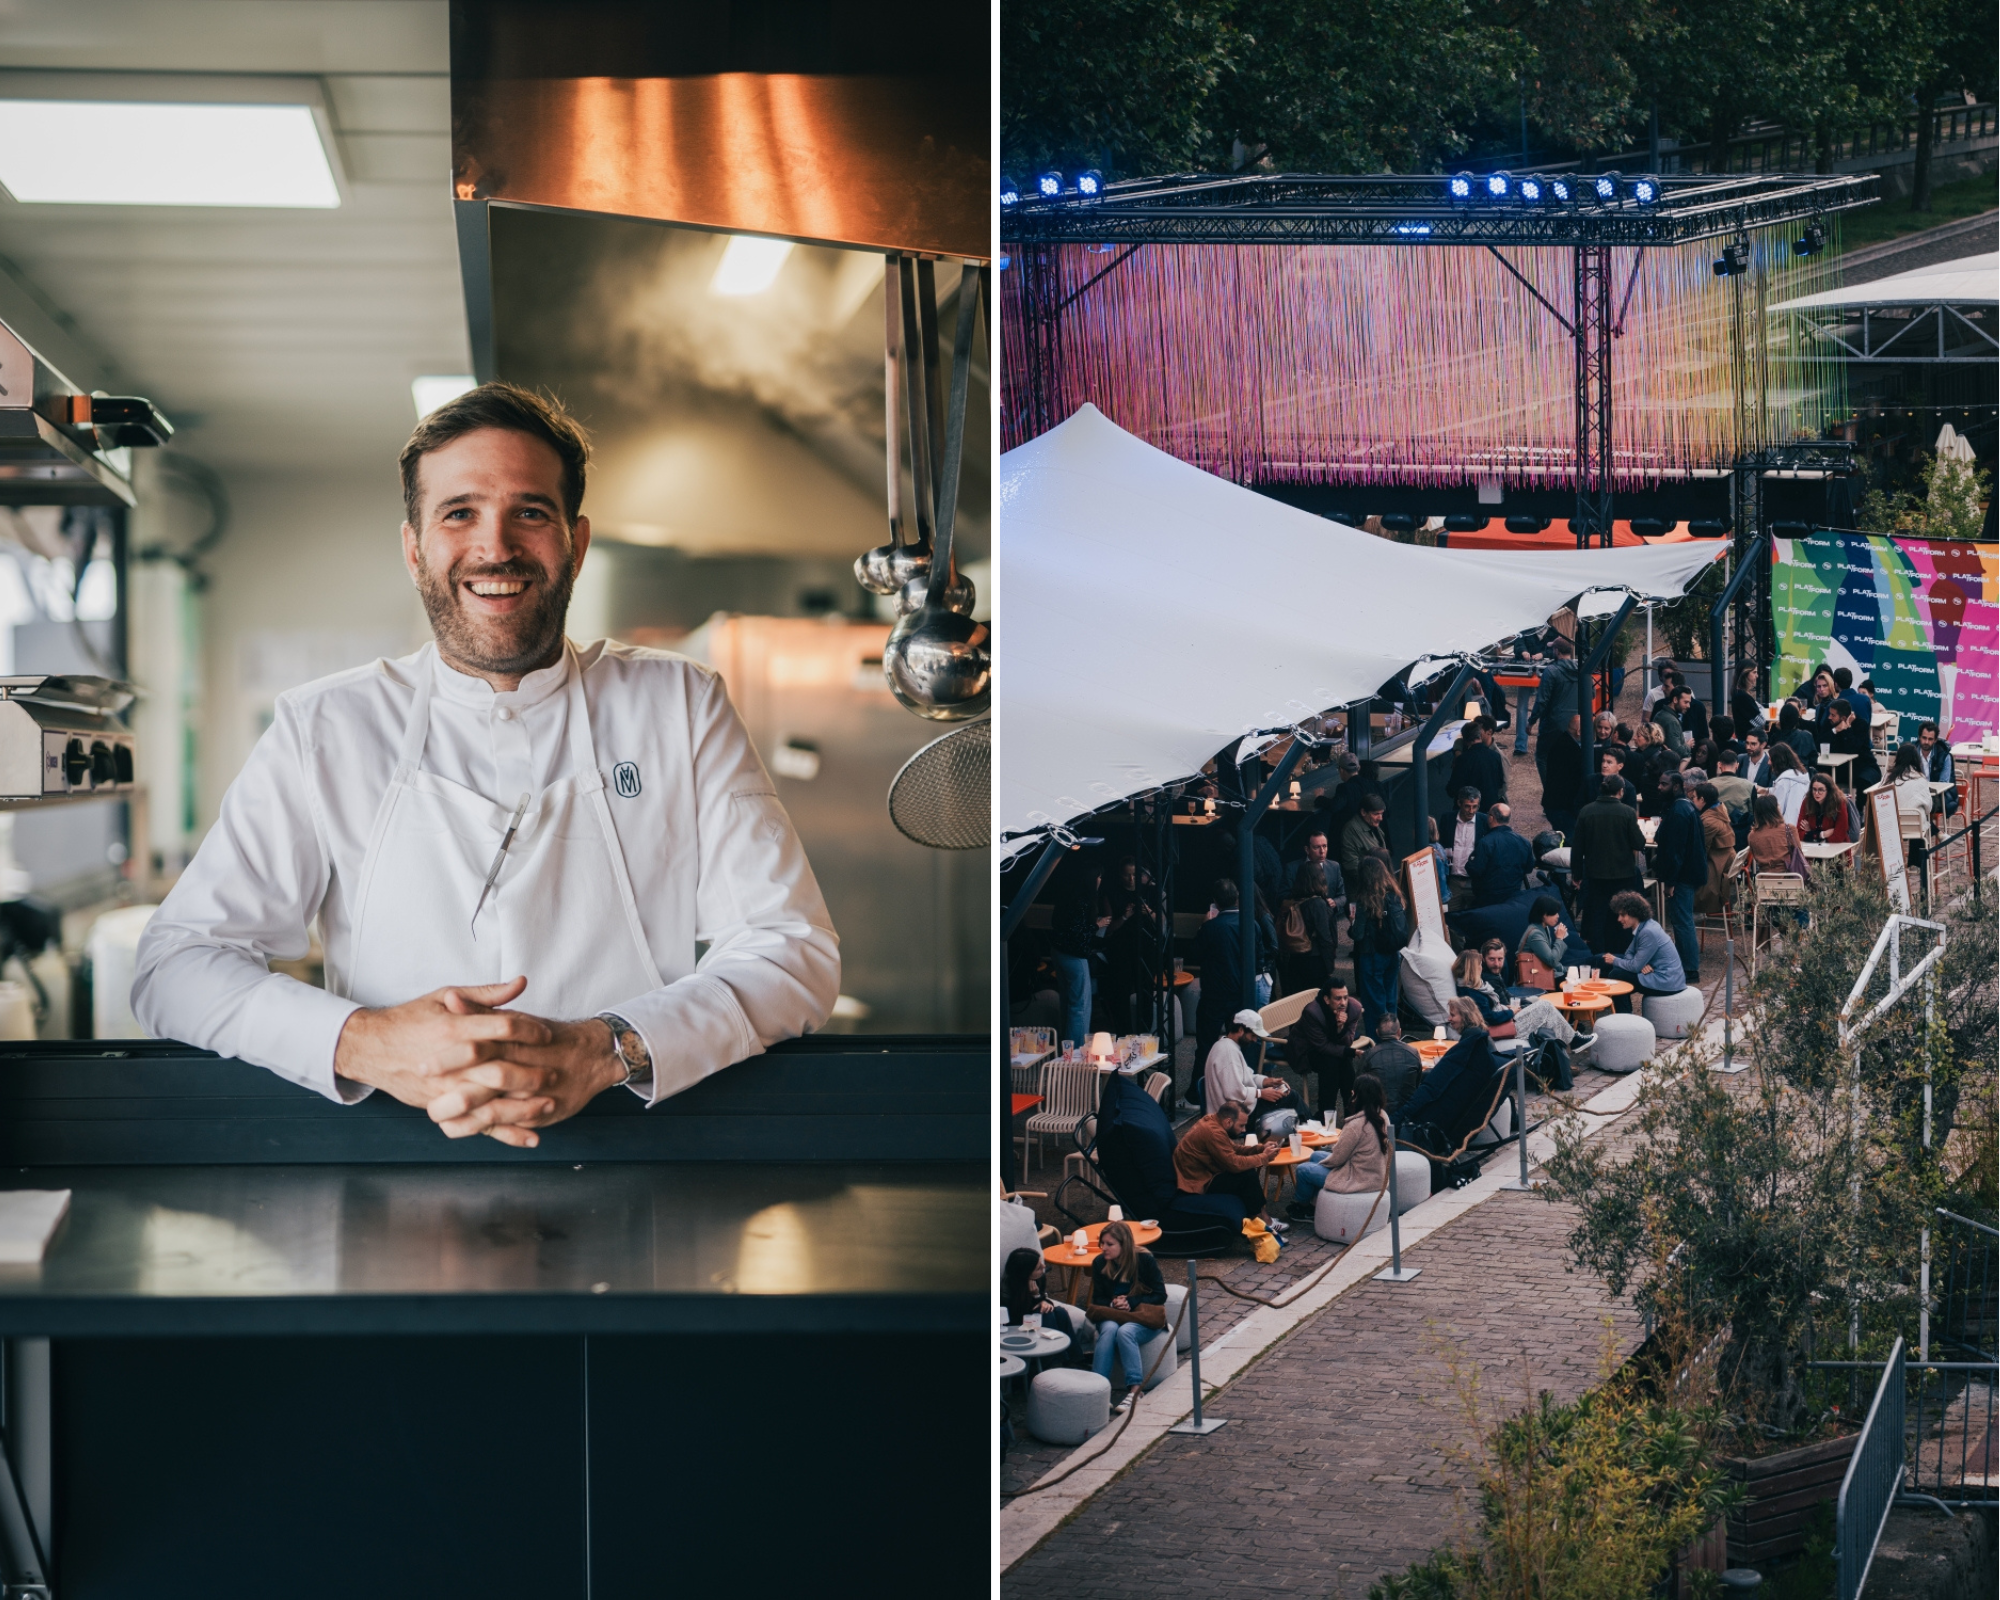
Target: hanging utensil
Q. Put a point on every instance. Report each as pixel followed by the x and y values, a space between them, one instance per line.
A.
pixel 943 795
pixel 875 570
pixel 939 661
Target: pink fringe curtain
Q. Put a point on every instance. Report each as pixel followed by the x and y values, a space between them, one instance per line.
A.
pixel 1412 365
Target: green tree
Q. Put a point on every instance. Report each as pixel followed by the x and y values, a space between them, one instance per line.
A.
pixel 1737 1206
pixel 1122 85
pixel 1373 86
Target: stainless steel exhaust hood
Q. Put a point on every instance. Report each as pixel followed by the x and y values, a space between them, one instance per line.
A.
pixel 611 161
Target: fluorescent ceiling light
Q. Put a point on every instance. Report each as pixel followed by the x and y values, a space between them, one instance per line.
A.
pixel 112 153
pixel 749 266
pixel 433 391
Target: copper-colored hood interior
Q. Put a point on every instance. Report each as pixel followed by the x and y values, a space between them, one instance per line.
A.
pixel 839 124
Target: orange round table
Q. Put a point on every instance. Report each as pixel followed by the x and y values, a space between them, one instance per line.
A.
pixel 1183 979
pixel 1605 986
pixel 1431 1051
pixel 1074 1261
pixel 1581 1008
pixel 1282 1164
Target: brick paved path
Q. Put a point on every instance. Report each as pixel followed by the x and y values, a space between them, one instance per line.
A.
pixel 1330 1471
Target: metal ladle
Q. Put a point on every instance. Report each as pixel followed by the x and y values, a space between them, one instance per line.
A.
pixel 939 660
pixel 876 570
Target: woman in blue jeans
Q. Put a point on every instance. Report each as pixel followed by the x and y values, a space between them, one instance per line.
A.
pixel 1125 1287
pixel 1381 929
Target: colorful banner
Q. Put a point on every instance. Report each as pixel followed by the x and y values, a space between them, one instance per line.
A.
pixel 1918 616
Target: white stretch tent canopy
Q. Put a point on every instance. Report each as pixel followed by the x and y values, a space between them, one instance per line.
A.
pixel 1153 612
pixel 1973 280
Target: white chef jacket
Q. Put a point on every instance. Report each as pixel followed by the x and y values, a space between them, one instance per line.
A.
pixel 711 854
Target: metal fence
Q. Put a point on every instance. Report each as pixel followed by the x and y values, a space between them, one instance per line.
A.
pixel 1952 1435
pixel 1873 1476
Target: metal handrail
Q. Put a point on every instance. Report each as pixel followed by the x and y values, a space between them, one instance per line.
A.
pixel 1874 1474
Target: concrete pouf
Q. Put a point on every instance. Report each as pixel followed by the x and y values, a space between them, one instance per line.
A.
pixel 1066 1406
pixel 1413 1180
pixel 1170 1360
pixel 1624 1044
pixel 1498 1126
pixel 1338 1218
pixel 1184 1336
pixel 1674 1016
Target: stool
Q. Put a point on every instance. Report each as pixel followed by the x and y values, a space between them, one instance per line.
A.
pixel 1176 1294
pixel 1066 1406
pixel 1497 1127
pixel 1413 1180
pixel 1624 1044
pixel 1673 1016
pixel 1170 1360
pixel 1338 1218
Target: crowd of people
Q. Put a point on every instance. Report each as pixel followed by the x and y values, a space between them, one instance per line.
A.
pixel 1674 797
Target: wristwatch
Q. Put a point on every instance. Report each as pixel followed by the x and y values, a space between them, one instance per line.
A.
pixel 631 1051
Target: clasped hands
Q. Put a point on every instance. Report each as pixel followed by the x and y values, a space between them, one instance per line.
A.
pixel 476 1068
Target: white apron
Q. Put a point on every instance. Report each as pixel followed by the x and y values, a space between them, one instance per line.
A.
pixel 561 911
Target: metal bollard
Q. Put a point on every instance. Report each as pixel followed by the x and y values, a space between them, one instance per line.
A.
pixel 1395 1272
pixel 1197 1423
pixel 1520 1125
pixel 1728 1009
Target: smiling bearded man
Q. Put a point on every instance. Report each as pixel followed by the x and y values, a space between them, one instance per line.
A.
pixel 502 816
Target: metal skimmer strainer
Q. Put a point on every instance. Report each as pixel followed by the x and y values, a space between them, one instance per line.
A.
pixel 943 795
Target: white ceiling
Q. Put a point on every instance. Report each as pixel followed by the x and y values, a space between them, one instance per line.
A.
pixel 274 339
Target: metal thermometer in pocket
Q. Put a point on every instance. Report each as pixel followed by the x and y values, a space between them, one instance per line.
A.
pixel 500 855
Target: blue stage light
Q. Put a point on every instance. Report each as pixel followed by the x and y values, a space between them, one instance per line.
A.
pixel 1646 190
pixel 1811 242
pixel 1734 261
pixel 1459 186
pixel 1090 184
pixel 1010 191
pixel 1533 191
pixel 1049 185
pixel 1497 185
pixel 1604 187
pixel 1562 190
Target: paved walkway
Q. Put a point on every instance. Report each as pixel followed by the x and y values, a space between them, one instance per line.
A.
pixel 1337 1462
pixel 1334 1467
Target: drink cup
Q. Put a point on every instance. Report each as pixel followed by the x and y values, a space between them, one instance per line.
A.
pixel 1032 1321
pixel 1298 1144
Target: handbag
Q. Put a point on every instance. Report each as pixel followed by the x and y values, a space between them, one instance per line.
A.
pixel 1278 1124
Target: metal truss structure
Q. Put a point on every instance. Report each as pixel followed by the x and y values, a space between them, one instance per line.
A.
pixel 1288 208
pixel 1913 335
pixel 1420 212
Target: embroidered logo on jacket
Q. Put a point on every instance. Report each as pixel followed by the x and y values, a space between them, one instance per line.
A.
pixel 626 777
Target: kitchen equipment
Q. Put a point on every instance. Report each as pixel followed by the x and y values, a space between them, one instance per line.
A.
pixel 943 796
pixel 938 661
pixel 63 736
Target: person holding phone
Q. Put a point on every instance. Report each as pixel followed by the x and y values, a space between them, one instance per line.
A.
pixel 1128 1302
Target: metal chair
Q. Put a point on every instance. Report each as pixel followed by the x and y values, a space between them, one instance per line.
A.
pixel 1158 1084
pixel 1069 1092
pixel 1773 889
pixel 1729 920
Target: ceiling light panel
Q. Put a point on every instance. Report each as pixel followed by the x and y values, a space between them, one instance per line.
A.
pixel 113 153
pixel 749 265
